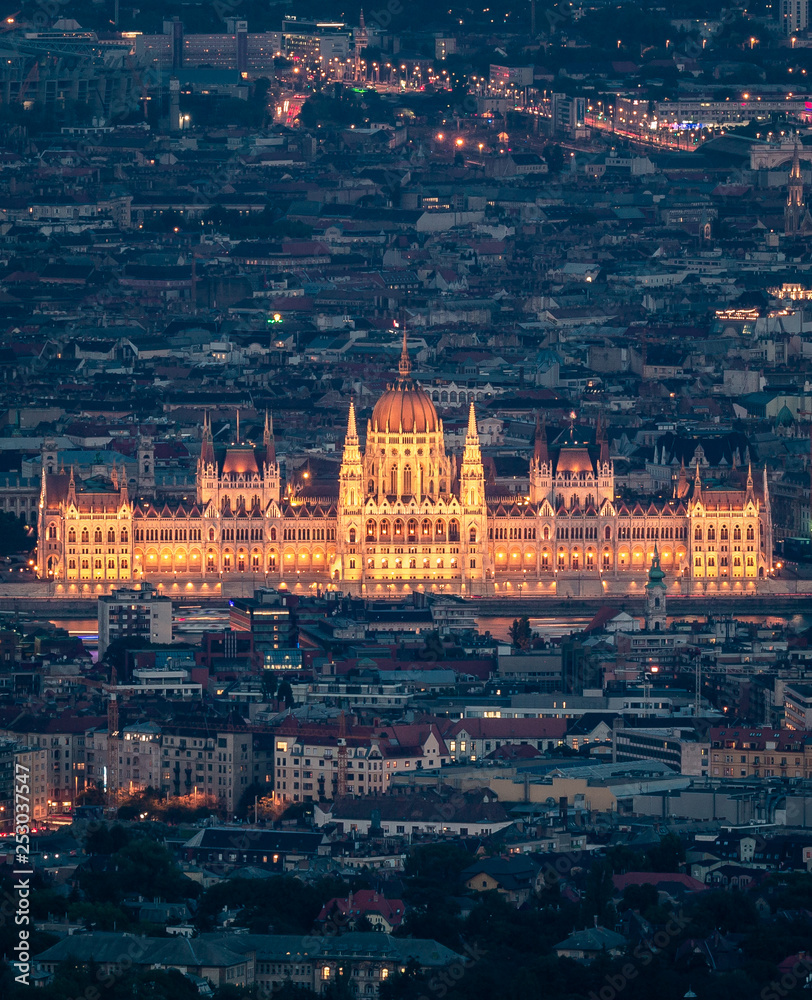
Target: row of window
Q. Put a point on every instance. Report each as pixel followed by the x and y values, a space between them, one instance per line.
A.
pixel 124 535
pixel 723 533
pixel 412 530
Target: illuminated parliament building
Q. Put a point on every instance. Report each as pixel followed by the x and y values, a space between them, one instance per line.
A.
pixel 406 514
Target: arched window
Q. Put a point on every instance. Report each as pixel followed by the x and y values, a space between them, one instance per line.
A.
pixel 453 530
pixel 399 530
pixel 85 535
pixel 546 533
pixel 439 529
pixel 751 535
pixel 370 530
pixel 607 533
pixel 125 535
pixel 425 527
pixel 352 536
pixel 737 534
pixel 273 534
pixel 52 531
pixel 111 536
pixel 393 481
pixel 472 535
pixel 431 487
pixel 371 486
pixel 97 535
pixel 407 479
pixel 723 533
pixel 72 535
pixel 412 529
pixel 384 529
pixel 697 534
pixel 711 533
pixel 211 534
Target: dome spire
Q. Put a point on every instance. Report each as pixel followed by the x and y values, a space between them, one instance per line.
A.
pixel 405 363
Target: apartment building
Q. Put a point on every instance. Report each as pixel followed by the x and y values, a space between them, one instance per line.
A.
pixel 306 763
pixel 684 753
pixel 216 767
pixel 134 614
pixel 62 739
pixel 798 707
pixel 471 739
pixel 737 752
pixel 32 762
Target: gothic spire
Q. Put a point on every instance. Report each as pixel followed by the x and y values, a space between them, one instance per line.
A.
pixel 473 432
pixel 268 440
pixel 207 447
pixel 540 454
pixel 352 430
pixel 405 363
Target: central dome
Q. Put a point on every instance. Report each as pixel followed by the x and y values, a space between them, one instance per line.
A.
pixel 405 406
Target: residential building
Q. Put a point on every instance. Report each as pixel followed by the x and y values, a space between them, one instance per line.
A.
pixel 143 614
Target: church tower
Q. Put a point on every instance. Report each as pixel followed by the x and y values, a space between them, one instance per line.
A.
pixel 655 596
pixel 472 502
pixel 350 505
pixel 146 463
pixel 796 207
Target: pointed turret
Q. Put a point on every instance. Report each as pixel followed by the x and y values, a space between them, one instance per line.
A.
pixel 681 482
pixel 472 456
pixel 795 209
pixel 351 436
pixel 697 482
pixel 268 440
pixel 72 488
pixel 405 363
pixel 207 448
pixel 766 489
pixel 603 442
pixel 541 455
pixel 749 494
pixel 114 475
pixel 473 431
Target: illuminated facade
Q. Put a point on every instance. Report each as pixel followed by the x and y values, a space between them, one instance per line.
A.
pixel 407 514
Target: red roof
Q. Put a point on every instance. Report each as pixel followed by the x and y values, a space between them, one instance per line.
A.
pixel 658 878
pixel 534 729
pixel 362 903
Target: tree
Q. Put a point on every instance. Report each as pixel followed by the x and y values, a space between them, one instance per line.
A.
pixel 13 535
pixel 433 649
pixel 598 892
pixel 285 693
pixel 668 855
pixel 269 682
pixel 554 155
pixel 520 633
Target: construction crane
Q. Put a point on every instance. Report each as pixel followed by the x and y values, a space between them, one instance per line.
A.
pixel 342 755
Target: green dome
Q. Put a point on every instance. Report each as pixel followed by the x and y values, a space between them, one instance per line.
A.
pixel 655 573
